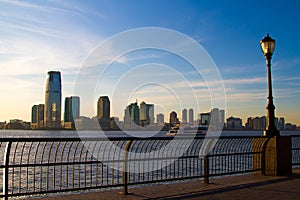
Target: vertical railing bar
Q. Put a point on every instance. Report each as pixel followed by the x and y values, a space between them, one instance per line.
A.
pixel 190 167
pixel 68 160
pixel 125 169
pixel 206 161
pixel 152 164
pixel 28 156
pixel 61 167
pixel 6 169
pixel 139 162
pixel 113 163
pixel 107 168
pixel 120 163
pixel 75 152
pixel 102 171
pixel 21 160
pixel 186 167
pixel 179 167
pixel 145 161
pixel 97 166
pixel 157 163
pixel 206 169
pixel 83 143
pixel 55 161
pixel 41 168
pixel 161 164
pixel 136 178
pixel 92 165
pixel 48 166
pixel 86 160
pixel 13 169
pixel 35 156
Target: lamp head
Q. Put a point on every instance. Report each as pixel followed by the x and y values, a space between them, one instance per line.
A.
pixel 267 45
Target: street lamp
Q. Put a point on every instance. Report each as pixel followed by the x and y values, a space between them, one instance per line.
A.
pixel 267 46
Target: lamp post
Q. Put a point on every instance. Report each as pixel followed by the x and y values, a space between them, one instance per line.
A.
pixel 267 46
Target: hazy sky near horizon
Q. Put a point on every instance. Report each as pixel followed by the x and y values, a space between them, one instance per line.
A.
pixel 40 36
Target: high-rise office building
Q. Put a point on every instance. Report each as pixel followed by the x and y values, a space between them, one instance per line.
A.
pixel 146 114
pixel 103 108
pixel 103 112
pixel 173 118
pixel 184 115
pixel 281 124
pixel 134 113
pixel 205 119
pixel 191 116
pixel 52 111
pixel 217 119
pixel 132 116
pixel 37 116
pixel 72 108
pixel 160 118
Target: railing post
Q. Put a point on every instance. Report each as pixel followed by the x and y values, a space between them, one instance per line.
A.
pixel 206 169
pixel 125 169
pixel 5 170
pixel 207 149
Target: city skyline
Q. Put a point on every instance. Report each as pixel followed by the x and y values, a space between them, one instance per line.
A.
pixel 141 115
pixel 59 36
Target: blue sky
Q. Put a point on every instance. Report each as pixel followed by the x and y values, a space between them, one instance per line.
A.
pixel 39 36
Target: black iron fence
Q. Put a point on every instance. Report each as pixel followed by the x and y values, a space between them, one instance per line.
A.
pixel 295 140
pixel 48 165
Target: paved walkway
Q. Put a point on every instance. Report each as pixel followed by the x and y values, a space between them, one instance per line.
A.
pixel 243 187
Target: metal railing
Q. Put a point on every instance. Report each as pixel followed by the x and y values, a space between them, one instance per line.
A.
pixel 48 165
pixel 295 140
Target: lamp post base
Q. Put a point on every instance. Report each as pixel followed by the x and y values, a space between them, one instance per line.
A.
pixel 278 156
pixel 271 133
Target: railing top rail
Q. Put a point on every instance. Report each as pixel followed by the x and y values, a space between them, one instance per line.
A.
pixel 47 139
pixel 295 135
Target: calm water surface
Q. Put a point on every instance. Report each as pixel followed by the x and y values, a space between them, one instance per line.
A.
pixel 72 134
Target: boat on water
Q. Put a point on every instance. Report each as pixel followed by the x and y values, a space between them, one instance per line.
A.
pixel 172 132
pixel 190 130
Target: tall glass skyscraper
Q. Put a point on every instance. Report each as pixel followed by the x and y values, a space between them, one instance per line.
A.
pixel 184 115
pixel 72 108
pixel 103 108
pixel 191 116
pixel 146 114
pixel 132 116
pixel 37 116
pixel 52 113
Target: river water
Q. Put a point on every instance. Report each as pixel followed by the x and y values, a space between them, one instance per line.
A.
pixel 143 134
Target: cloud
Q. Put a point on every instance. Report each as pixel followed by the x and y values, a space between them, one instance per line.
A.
pixel 34 40
pixel 244 81
pixel 69 5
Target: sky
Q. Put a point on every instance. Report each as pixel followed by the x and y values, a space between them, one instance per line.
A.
pixel 41 36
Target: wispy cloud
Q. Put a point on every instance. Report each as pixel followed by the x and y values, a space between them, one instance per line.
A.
pixel 69 5
pixel 36 38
